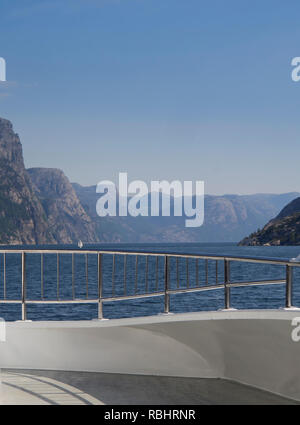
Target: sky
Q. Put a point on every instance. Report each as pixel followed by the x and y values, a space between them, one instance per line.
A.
pixel 160 89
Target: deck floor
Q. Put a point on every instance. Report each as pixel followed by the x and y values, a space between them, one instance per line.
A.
pixel 56 387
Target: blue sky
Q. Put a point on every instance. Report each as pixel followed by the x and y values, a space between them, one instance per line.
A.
pixel 161 89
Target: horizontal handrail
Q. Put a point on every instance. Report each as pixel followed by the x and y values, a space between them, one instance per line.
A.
pixel 262 260
pixel 149 295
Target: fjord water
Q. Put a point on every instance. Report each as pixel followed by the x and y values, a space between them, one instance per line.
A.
pixel 269 297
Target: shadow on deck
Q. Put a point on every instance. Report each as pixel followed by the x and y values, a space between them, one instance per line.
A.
pixel 56 387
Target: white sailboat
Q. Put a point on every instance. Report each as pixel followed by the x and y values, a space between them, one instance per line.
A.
pixel 80 244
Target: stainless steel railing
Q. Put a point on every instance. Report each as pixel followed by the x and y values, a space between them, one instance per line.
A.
pixel 221 279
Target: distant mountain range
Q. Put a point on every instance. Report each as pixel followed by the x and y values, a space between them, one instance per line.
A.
pixel 227 219
pixel 40 206
pixel 282 230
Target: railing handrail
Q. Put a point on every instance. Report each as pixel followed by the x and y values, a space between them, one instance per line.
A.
pixel 264 260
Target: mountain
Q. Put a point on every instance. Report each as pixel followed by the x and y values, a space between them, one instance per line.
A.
pixel 290 209
pixel 108 229
pixel 284 229
pixel 227 219
pixel 22 218
pixel 40 206
pixel 66 218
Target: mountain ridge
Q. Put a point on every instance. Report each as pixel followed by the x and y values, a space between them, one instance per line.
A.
pixel 41 206
pixel 284 229
pixel 66 218
pixel 227 219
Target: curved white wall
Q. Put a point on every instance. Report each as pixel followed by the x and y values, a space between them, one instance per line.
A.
pixel 253 347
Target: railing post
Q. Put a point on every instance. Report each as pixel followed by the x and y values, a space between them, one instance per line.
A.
pixel 167 295
pixel 226 282
pixel 288 287
pixel 24 315
pixel 42 276
pixel 4 275
pixel 100 303
pixel 57 276
pixel 73 276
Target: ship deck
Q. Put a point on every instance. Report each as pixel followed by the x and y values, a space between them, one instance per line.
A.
pixel 25 387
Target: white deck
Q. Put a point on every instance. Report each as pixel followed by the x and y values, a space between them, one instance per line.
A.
pixel 172 354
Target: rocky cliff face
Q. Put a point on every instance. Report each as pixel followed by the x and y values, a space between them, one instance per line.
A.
pixel 37 206
pixel 282 230
pixel 22 218
pixel 66 218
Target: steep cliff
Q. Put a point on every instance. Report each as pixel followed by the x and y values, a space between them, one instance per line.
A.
pixel 66 218
pixel 22 218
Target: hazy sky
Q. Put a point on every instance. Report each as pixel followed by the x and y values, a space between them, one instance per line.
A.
pixel 161 89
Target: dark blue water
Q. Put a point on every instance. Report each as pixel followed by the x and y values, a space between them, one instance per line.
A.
pixel 244 297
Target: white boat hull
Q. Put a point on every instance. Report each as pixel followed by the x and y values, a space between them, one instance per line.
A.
pixel 251 347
